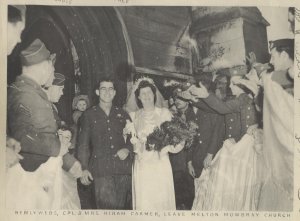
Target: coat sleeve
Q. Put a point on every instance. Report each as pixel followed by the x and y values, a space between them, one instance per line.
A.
pixel 218 134
pixel 68 161
pixel 84 136
pixel 200 104
pixel 223 107
pixel 22 128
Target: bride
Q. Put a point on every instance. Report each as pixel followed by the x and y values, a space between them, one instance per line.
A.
pixel 153 187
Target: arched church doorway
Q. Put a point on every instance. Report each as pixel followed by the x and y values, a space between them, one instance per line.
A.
pixel 89 43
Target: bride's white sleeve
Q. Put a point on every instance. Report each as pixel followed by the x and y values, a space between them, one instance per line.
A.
pixel 166 115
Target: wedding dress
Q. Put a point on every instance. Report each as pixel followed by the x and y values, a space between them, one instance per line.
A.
pixel 153 187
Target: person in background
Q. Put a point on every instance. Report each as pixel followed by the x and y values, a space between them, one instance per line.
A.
pixel 238 157
pixel 79 105
pixel 15 26
pixel 278 120
pixel 31 122
pixel 16 23
pixel 210 130
pixel 183 182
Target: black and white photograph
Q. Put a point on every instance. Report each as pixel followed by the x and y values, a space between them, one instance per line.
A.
pixel 150 108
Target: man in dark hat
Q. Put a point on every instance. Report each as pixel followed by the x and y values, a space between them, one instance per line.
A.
pixel 54 93
pixel 183 182
pixel 15 25
pixel 30 116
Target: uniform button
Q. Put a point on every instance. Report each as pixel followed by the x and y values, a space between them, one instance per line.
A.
pixel 231 119
pixel 198 134
pixel 107 121
pixel 95 156
pixel 95 121
pixel 200 141
pixel 110 138
pixel 108 129
pixel 248 117
pixel 247 126
pixel 249 108
pixel 112 146
pixel 229 135
pixel 230 128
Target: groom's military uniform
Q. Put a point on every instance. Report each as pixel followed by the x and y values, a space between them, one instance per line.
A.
pixel 100 138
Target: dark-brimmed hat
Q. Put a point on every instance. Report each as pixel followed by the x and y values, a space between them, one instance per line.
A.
pixel 59 79
pixel 36 53
pixel 286 43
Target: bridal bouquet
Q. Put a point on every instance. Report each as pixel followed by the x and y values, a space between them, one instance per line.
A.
pixel 172 133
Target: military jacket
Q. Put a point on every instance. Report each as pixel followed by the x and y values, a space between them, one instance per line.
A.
pixel 31 122
pixel 100 138
pixel 209 138
pixel 240 113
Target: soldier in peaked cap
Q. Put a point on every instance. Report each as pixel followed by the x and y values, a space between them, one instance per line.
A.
pixel 30 115
pixel 54 92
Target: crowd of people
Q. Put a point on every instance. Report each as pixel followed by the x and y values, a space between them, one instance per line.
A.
pixel 240 156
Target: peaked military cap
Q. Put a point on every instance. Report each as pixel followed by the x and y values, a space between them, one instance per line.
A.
pixel 36 53
pixel 59 79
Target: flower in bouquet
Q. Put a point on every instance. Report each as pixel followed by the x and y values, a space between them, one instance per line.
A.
pixel 171 133
pixel 129 129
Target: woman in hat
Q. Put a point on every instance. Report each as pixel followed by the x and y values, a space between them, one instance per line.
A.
pixel 232 182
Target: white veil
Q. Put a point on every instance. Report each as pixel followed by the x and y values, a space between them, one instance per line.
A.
pixel 131 105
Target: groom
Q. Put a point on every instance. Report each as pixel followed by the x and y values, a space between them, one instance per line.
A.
pixel 105 156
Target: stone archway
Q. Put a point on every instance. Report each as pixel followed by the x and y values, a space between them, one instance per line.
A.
pixel 100 40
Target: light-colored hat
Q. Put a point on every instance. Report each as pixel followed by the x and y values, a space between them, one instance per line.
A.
pixel 36 53
pixel 59 79
pixel 78 98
